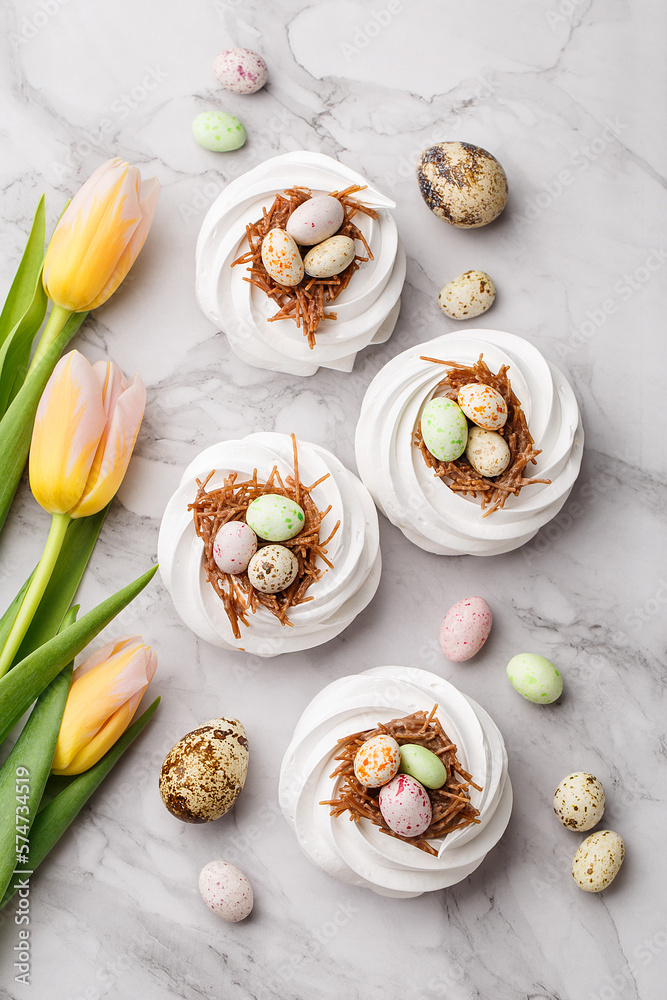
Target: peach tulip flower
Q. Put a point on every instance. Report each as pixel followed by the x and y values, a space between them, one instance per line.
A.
pixel 85 429
pixel 99 236
pixel 103 699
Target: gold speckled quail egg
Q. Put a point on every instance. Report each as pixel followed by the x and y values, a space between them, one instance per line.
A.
pixel 487 451
pixel 469 295
pixel 203 774
pixel 579 801
pixel 462 184
pixel 598 860
pixel 330 257
pixel 272 569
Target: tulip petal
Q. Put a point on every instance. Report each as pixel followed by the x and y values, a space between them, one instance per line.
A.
pixel 69 423
pixel 103 740
pixel 127 403
pixel 91 237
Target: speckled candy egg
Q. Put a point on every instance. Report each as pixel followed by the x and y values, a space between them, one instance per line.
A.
pixel 376 761
pixel 535 678
pixel 467 296
pixel 240 70
pixel 444 429
pixel 579 801
pixel 281 258
pixel 487 452
pixel 226 891
pixel 465 628
pixel 330 257
pixel 203 774
pixel 462 184
pixel 483 405
pixel 423 765
pixel 272 569
pixel 218 131
pixel 405 806
pixel 234 545
pixel 316 220
pixel 274 517
pixel 598 860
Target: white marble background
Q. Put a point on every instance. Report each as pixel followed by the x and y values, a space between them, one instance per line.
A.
pixel 569 95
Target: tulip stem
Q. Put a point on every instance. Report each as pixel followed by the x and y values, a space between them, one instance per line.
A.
pixel 54 324
pixel 35 592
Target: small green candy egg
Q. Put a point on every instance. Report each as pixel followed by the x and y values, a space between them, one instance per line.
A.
pixel 444 429
pixel 423 765
pixel 218 131
pixel 274 517
pixel 535 678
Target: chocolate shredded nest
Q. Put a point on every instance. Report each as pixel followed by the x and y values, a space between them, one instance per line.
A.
pixel 304 303
pixel 452 808
pixel 229 503
pixel 459 475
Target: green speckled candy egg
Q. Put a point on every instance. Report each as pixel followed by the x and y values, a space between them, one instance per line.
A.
pixel 423 765
pixel 444 429
pixel 274 517
pixel 535 678
pixel 218 131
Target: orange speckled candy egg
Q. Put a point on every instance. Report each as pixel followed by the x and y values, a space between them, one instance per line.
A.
pixel 483 405
pixel 281 258
pixel 377 761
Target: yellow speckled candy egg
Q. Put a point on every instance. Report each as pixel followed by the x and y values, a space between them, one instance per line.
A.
pixel 598 860
pixel 483 405
pixel 281 258
pixel 377 760
pixel 203 774
pixel 487 452
pixel 330 257
pixel 579 801
pixel 444 429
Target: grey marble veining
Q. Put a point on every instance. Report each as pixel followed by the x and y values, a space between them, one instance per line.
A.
pixel 569 95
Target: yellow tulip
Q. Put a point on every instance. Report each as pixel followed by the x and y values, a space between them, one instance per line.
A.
pixel 99 236
pixel 104 696
pixel 85 429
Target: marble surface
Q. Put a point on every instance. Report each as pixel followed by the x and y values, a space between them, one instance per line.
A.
pixel 569 95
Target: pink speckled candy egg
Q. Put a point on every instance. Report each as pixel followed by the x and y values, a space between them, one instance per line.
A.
pixel 377 760
pixel 234 546
pixel 405 806
pixel 226 891
pixel 465 628
pixel 483 405
pixel 240 70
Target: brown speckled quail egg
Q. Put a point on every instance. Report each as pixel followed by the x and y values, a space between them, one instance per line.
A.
pixel 462 184
pixel 579 801
pixel 203 774
pixel 272 569
pixel 467 296
pixel 487 451
pixel 598 860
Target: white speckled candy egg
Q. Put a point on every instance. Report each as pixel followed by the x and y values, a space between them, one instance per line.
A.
pixel 598 860
pixel 462 184
pixel 226 891
pixel 240 70
pixel 487 451
pixel 467 296
pixel 405 806
pixel 233 547
pixel 272 569
pixel 281 258
pixel 423 765
pixel 274 517
pixel 444 429
pixel 376 761
pixel 316 220
pixel 218 131
pixel 330 257
pixel 203 774
pixel 535 678
pixel 579 801
pixel 465 628
pixel 483 405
